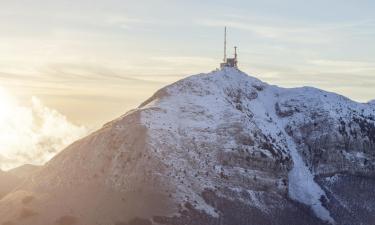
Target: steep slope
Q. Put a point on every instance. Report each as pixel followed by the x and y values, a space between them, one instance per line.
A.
pixel 217 148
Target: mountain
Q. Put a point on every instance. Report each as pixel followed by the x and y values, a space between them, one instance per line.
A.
pixel 9 180
pixel 7 183
pixel 24 171
pixel 218 148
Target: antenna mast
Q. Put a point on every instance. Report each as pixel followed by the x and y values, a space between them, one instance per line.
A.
pixel 235 56
pixel 225 44
pixel 228 62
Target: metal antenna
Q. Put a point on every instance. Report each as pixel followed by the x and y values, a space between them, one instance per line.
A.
pixel 235 56
pixel 225 44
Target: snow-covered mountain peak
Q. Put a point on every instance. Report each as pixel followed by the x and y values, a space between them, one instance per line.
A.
pixel 216 148
pixel 214 83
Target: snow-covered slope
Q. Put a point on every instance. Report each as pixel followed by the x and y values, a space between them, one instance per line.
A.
pixel 217 148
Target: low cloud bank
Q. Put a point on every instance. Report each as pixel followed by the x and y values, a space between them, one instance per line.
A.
pixel 32 134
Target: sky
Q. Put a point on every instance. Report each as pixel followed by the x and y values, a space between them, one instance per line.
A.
pixel 89 61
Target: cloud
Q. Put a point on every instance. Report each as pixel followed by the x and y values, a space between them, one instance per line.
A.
pixel 184 60
pixel 299 33
pixel 344 66
pixel 124 22
pixel 292 31
pixel 32 134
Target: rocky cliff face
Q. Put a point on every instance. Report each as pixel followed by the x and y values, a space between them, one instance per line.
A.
pixel 217 148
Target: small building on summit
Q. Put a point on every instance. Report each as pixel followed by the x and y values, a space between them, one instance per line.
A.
pixel 228 62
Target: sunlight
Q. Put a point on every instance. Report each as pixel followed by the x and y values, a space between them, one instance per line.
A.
pixel 5 104
pixel 12 124
pixel 32 133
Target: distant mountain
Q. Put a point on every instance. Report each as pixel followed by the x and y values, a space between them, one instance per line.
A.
pixel 24 171
pixel 7 183
pixel 219 148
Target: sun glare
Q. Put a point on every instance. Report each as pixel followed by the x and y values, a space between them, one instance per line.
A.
pixel 5 105
pixel 32 133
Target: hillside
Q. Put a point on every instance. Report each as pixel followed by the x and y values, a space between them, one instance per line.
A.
pixel 7 183
pixel 9 180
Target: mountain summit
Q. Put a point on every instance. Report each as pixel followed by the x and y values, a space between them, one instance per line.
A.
pixel 218 148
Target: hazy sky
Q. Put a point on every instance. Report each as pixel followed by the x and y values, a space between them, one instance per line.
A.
pixel 94 60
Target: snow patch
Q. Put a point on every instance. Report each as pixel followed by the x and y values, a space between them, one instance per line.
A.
pixel 303 188
pixel 256 201
pixel 332 179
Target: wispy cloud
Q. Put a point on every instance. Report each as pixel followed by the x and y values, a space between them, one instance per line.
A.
pixel 342 63
pixel 127 22
pixel 184 59
pixel 286 30
pixel 275 31
pixel 344 66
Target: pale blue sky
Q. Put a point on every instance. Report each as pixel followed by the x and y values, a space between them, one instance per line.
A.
pixel 94 60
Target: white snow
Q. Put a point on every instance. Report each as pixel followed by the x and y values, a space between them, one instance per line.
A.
pixel 332 179
pixel 303 188
pixel 193 108
pixel 255 200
